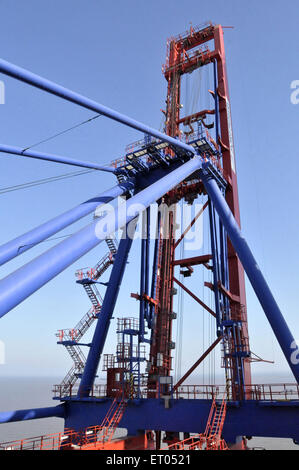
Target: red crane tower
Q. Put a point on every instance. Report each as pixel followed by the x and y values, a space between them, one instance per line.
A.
pixel 186 53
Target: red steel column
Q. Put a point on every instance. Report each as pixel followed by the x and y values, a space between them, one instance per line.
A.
pixel 236 272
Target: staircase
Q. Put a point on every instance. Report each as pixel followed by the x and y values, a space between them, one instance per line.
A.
pixel 70 337
pixel 111 421
pixel 111 245
pixel 211 439
pixel 93 293
pixel 215 425
pixel 99 437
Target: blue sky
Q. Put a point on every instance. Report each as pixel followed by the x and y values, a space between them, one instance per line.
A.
pixel 113 52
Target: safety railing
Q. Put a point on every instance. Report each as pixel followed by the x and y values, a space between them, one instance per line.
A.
pixel 263 392
pixel 65 391
pixel 273 392
pixel 57 441
pixel 191 443
pixel 260 392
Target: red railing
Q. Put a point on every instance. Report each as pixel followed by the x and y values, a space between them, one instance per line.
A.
pixel 57 441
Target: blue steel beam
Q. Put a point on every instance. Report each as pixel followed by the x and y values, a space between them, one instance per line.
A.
pixel 19 285
pixel 256 278
pixel 103 323
pixel 34 413
pixel 53 158
pixel 249 418
pixel 28 240
pixel 43 84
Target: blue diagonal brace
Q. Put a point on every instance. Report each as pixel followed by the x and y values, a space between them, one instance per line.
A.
pixel 256 278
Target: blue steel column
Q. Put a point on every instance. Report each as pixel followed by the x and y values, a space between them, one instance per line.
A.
pixel 106 313
pixel 144 272
pixel 147 254
pixel 154 269
pixel 142 277
pixel 215 268
pixel 258 282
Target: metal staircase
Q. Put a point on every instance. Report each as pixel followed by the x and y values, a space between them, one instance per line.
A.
pixel 99 437
pixel 70 337
pixel 211 439
pixel 214 426
pixel 111 421
pixel 93 293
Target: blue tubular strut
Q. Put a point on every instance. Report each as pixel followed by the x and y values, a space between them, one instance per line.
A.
pixel 147 255
pixel 103 322
pixel 215 268
pixel 53 158
pixel 35 413
pixel 258 282
pixel 29 278
pixel 142 278
pixel 24 242
pixel 51 87
pixel 154 269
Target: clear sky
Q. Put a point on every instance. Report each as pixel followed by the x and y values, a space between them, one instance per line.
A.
pixel 113 52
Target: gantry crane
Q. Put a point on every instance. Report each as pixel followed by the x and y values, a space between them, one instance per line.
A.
pixel 162 169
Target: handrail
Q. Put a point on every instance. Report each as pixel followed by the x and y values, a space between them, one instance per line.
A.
pixel 259 392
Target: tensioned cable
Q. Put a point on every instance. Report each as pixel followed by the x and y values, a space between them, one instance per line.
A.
pixel 62 132
pixel 53 178
pixel 48 240
pixel 43 181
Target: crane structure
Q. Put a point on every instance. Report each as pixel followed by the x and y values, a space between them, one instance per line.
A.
pixel 193 157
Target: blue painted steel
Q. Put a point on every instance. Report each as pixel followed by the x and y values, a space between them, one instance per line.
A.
pixel 106 313
pixel 28 279
pixel 215 268
pixel 144 272
pixel 142 280
pixel 34 413
pixel 43 84
pixel 53 158
pixel 147 254
pixel 154 269
pixel 258 282
pixel 24 242
pixel 249 418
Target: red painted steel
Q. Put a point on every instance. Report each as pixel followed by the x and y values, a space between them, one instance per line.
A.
pixel 185 53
